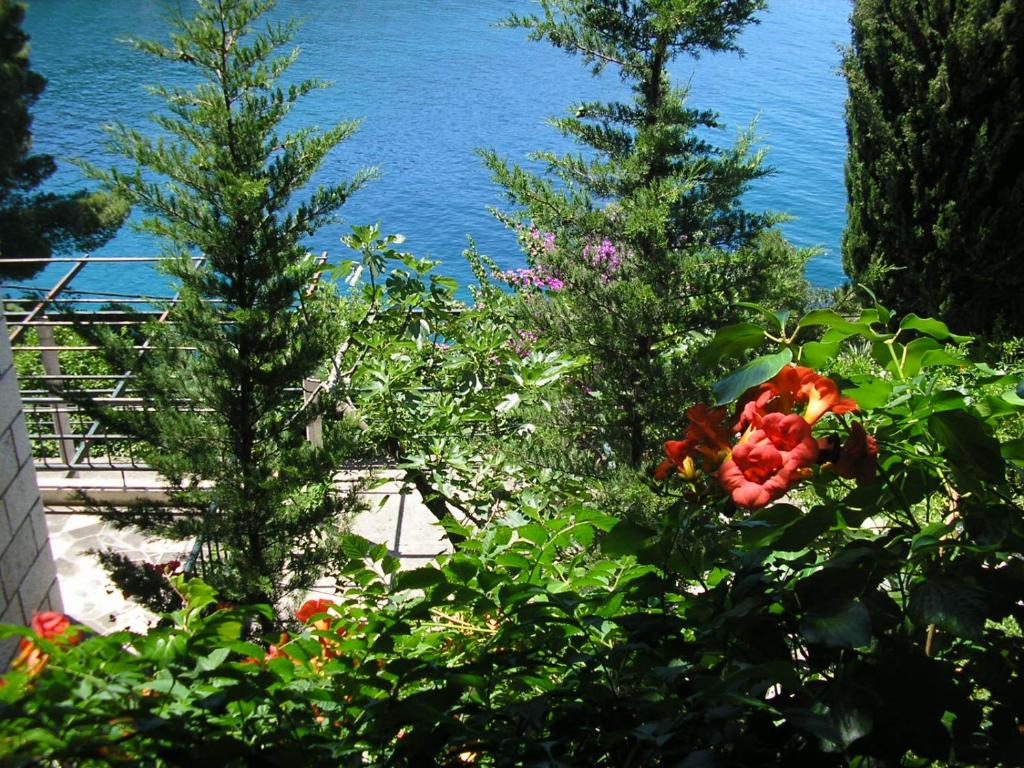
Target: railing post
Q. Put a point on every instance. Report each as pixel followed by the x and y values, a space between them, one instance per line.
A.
pixel 51 366
pixel 310 396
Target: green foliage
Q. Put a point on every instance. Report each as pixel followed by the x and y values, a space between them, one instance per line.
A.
pixel 227 425
pixel 438 385
pixel 33 224
pixel 869 617
pixel 870 624
pixel 934 173
pixel 639 241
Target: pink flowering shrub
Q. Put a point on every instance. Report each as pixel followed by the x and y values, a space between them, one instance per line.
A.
pixel 537 244
pixel 604 257
pixel 533 277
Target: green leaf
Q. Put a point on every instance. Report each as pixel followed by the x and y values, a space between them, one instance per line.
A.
pixel 40 736
pixel 937 357
pixel 420 578
pixel 213 660
pixel 777 319
pixel 818 725
pixel 453 526
pixel 467 679
pixel 1013 450
pixel 934 328
pixel 626 538
pixel 165 648
pixel 509 402
pixel 814 354
pixel 847 627
pixel 804 530
pixel 601 520
pixel 535 533
pixel 229 630
pixel 989 525
pixel 449 284
pixel 750 375
pixel 837 323
pixel 949 604
pixel 968 444
pixel 871 394
pixel 197 595
pixel 355 546
pixel 513 560
pixel 702 758
pixel 912 355
pixel 1015 397
pixel 989 406
pixel 942 400
pixel 766 525
pixel 731 341
pixel 929 538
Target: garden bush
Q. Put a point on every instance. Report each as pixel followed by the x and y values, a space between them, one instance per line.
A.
pixel 836 580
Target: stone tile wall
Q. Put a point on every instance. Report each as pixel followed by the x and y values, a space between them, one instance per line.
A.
pixel 28 576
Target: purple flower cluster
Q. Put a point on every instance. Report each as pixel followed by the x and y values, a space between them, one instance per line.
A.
pixel 604 257
pixel 534 277
pixel 536 243
pixel 524 344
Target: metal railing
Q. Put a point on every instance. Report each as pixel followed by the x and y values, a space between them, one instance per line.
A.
pixel 53 375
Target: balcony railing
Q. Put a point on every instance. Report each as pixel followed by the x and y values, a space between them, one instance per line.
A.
pixel 55 377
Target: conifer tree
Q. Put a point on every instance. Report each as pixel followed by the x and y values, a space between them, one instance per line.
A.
pixel 35 224
pixel 935 173
pixel 640 240
pixel 220 183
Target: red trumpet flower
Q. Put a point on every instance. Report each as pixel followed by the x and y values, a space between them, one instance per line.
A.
pixel 769 460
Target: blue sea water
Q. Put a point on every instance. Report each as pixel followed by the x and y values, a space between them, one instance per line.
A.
pixel 434 79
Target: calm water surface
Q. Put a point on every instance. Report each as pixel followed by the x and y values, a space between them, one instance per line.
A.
pixel 434 79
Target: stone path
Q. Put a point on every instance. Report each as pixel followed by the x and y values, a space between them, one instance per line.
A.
pixel 396 519
pixel 88 594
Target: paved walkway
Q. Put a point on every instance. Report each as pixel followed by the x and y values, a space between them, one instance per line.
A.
pixel 396 519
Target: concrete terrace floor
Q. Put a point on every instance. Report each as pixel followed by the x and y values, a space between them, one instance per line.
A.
pixel 395 517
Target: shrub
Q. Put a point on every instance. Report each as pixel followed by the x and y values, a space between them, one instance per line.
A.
pixel 874 622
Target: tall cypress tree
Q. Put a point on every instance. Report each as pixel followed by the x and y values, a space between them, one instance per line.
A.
pixel 219 182
pixel 640 240
pixel 35 224
pixel 935 173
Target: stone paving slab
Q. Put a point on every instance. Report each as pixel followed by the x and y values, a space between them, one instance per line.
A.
pixel 394 518
pixel 89 595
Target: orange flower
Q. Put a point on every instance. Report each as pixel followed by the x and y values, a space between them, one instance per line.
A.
pixel 275 651
pixel 764 466
pixel 756 403
pixel 312 608
pixel 775 448
pixel 707 429
pixel 679 454
pixel 706 435
pixel 823 396
pixel 49 625
pixel 791 388
pixel 858 459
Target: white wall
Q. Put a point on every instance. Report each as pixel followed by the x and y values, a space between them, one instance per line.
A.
pixel 28 576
